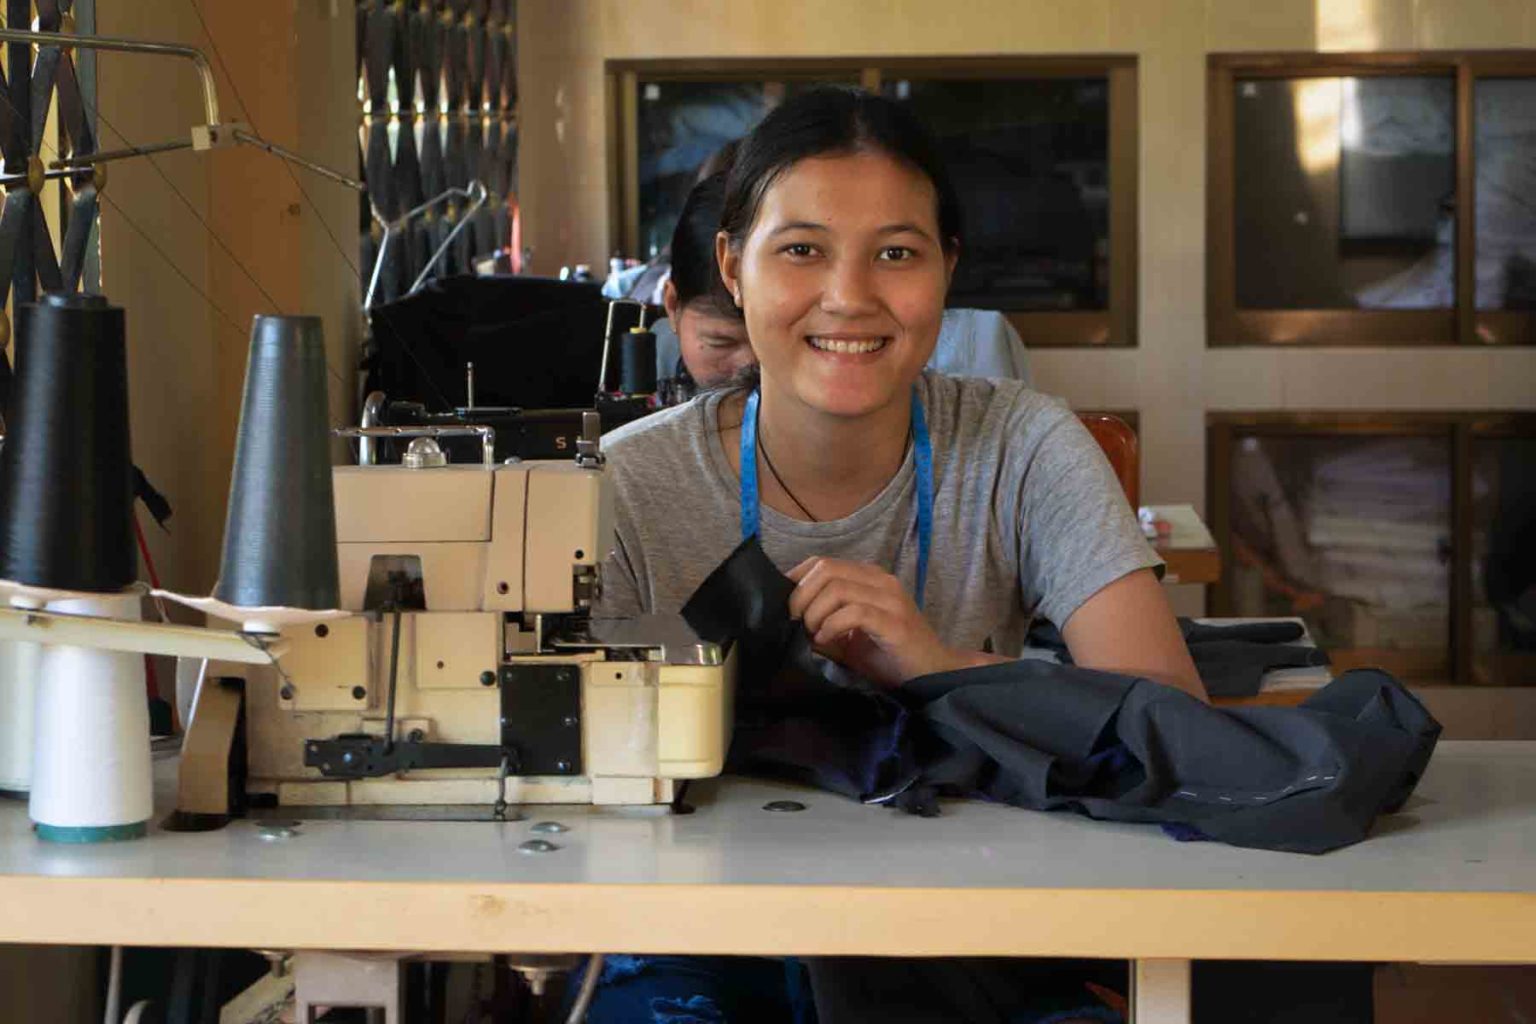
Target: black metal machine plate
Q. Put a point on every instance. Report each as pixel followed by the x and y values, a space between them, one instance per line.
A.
pixel 541 717
pixel 360 756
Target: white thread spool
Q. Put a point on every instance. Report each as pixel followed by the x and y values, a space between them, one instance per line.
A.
pixel 91 773
pixel 19 664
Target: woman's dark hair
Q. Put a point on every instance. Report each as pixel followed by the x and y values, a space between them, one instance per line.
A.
pixel 695 274
pixel 833 120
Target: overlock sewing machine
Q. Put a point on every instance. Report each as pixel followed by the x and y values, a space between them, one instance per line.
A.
pixel 470 671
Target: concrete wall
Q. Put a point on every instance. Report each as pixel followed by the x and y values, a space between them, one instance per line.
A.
pixel 1171 379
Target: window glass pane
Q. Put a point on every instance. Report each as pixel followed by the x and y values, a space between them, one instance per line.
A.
pixel 681 125
pixel 1354 535
pixel 1504 561
pixel 1505 126
pixel 1030 159
pixel 1345 193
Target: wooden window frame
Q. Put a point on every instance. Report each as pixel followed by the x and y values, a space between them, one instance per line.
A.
pixel 1459 429
pixel 1227 325
pixel 1114 327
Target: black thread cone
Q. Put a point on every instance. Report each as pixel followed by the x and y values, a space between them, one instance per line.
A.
pixel 66 469
pixel 280 533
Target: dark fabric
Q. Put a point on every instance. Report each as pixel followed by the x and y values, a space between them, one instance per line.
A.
pixel 1046 736
pixel 535 343
pixel 1244 992
pixel 978 990
pixel 798 715
pixel 159 508
pixel 692 990
pixel 1231 658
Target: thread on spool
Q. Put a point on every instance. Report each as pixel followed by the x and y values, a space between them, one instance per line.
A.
pixel 637 362
pixel 66 470
pixel 280 530
pixel 91 767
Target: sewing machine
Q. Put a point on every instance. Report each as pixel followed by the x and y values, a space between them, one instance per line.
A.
pixel 470 671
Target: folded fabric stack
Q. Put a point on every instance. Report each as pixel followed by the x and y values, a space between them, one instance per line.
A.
pixel 1232 659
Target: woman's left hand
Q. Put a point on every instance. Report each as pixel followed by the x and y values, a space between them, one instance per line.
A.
pixel 860 616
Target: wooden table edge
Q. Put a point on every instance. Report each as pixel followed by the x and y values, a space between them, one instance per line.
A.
pixel 451 916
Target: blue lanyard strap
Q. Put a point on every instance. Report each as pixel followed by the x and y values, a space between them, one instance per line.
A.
pixel 749 498
pixel 922 455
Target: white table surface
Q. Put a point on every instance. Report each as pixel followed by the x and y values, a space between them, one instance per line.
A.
pixel 1451 878
pixel 1188 529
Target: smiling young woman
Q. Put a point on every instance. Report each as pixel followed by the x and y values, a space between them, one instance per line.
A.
pixel 925 518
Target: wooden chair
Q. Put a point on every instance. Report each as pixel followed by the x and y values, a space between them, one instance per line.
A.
pixel 1119 442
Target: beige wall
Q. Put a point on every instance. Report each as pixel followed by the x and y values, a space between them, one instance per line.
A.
pixel 291 63
pixel 291 68
pixel 1171 378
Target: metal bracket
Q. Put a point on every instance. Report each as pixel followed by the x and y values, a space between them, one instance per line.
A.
pixel 487 435
pixel 214 134
pixel 362 756
pixel 541 717
pixel 589 453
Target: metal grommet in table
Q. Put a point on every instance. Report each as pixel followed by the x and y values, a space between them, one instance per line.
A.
pixel 538 846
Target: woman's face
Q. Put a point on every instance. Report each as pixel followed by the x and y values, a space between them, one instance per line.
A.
pixel 714 345
pixel 842 280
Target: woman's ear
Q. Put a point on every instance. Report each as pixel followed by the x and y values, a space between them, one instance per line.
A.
pixel 669 301
pixel 730 266
pixel 951 257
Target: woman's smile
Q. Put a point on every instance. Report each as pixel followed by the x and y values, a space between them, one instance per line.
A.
pixel 848 344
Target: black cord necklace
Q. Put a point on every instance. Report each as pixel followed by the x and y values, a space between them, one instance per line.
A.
pixel 782 485
pixel 785 487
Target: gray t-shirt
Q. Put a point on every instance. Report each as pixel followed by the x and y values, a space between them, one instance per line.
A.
pixel 1028 515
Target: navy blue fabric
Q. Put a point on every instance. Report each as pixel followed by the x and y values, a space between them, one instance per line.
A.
pixel 1045 736
pixel 691 990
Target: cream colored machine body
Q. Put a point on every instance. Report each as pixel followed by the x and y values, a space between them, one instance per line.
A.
pixel 505 691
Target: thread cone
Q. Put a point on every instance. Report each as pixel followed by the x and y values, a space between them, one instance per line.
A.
pixel 66 468
pixel 280 531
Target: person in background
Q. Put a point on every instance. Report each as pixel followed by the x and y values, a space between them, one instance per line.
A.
pixel 703 340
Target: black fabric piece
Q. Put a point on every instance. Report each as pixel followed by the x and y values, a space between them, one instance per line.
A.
pixel 1252 632
pixel 798 715
pixel 1236 668
pixel 1045 736
pixel 1232 659
pixel 157 504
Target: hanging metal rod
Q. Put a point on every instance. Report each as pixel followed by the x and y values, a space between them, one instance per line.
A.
pixel 475 194
pixel 90 42
pixel 241 135
pixel 108 155
pixel 212 135
pixel 9 181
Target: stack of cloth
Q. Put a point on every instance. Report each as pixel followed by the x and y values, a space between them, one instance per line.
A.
pixel 1232 658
